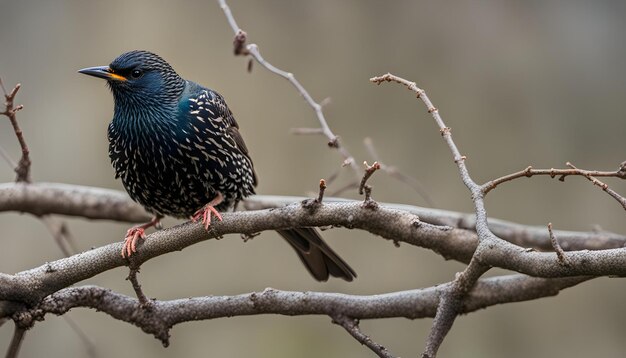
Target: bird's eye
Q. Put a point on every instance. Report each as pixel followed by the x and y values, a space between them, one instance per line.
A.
pixel 136 73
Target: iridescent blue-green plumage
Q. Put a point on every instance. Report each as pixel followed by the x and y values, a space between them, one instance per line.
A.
pixel 176 146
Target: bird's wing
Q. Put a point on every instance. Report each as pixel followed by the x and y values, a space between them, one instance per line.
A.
pixel 215 106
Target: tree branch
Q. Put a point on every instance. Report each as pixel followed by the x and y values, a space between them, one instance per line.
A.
pixel 492 251
pixel 73 200
pixel 23 166
pixel 412 304
pixel 241 48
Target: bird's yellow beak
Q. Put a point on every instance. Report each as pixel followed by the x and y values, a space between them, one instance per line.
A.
pixel 102 72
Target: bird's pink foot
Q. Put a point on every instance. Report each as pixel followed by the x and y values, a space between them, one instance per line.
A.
pixel 205 213
pixel 133 235
pixel 208 210
pixel 136 233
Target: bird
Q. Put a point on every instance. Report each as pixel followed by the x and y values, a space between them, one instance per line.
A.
pixel 179 152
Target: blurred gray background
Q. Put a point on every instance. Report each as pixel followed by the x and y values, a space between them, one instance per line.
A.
pixel 521 83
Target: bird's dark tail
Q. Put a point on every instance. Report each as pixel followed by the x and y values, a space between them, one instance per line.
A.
pixel 318 258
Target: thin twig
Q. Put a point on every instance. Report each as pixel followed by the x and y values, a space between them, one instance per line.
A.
pixel 320 196
pixel 562 174
pixel 58 228
pixel 412 304
pixel 557 248
pixel 369 170
pixel 590 176
pixel 351 325
pixel 253 50
pixel 16 342
pixel 453 294
pixel 23 167
pixel 144 302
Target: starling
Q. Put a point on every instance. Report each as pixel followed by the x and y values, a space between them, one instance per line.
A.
pixel 178 151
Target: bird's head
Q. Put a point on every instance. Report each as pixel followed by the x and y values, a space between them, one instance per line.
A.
pixel 140 78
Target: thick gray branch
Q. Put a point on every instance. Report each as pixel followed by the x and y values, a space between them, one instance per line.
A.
pixel 32 285
pixel 163 315
pixel 536 237
pixel 73 200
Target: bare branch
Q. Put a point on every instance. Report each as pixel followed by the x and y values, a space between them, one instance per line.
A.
pixel 253 50
pixel 394 224
pixel 32 285
pixel 73 200
pixel 492 251
pixel 412 304
pixel 320 196
pixel 522 235
pixel 132 277
pixel 590 175
pixel 562 174
pixel 10 110
pixel 369 170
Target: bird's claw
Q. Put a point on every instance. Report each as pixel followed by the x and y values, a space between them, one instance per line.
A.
pixel 133 235
pixel 206 213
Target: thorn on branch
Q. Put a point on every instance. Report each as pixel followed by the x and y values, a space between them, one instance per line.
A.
pixel 557 248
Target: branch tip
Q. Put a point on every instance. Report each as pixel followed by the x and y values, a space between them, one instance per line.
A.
pixel 320 196
pixel 369 170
